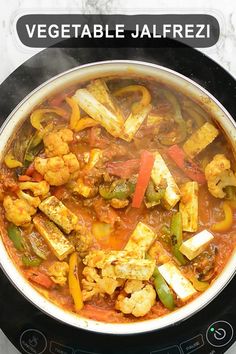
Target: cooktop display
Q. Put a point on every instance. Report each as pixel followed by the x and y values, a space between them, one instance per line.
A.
pixel 210 331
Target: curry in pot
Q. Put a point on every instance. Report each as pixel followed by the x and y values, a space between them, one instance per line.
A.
pixel 118 199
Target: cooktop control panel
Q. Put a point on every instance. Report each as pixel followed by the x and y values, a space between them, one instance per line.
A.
pixel 218 336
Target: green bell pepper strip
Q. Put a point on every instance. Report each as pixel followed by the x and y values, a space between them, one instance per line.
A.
pixel 182 126
pixel 197 117
pixel 163 290
pixel 119 189
pixel 29 261
pixel 176 237
pixel 14 234
pixel 152 195
pixel 230 192
pixel 35 145
pixel 38 245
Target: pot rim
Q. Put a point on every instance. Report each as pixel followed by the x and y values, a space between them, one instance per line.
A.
pixel 32 295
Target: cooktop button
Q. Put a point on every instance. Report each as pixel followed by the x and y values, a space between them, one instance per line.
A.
pixel 190 345
pixel 57 348
pixel 219 333
pixel 33 341
pixel 170 350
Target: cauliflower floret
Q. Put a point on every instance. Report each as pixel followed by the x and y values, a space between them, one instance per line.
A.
pixel 139 303
pixel 133 285
pixel 94 284
pixel 219 175
pixel 33 201
pixel 18 211
pixel 53 169
pixel 56 143
pixel 58 272
pixel 57 170
pixel 37 188
pixel 72 164
pixel 82 240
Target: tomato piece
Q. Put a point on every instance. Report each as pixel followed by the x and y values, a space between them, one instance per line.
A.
pixel 40 279
pixel 189 167
pixel 105 213
pixel 123 169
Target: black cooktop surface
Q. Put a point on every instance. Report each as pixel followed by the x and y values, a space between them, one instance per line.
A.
pixel 210 331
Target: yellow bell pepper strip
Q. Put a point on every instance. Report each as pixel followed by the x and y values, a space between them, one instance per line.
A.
pixel 11 162
pixel 137 106
pixel 37 115
pixel 232 203
pixel 75 112
pixel 227 222
pixel 197 284
pixel 84 123
pixel 74 285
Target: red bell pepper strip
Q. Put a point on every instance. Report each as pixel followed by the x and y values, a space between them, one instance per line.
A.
pixel 123 169
pixel 40 279
pixel 24 178
pixel 146 165
pixel 189 167
pixel 30 170
pixel 37 177
pixel 57 100
pixel 60 97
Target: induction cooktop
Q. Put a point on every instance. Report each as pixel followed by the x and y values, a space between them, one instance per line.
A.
pixel 210 331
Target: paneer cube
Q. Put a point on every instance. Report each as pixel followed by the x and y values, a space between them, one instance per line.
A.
pixel 100 258
pixel 98 88
pixel 95 156
pixel 112 122
pixel 134 122
pixel 140 269
pixel 56 241
pixel 196 244
pixel 181 286
pixel 140 240
pixel 162 178
pixel 199 140
pixel 59 213
pixel 82 188
pixel 189 206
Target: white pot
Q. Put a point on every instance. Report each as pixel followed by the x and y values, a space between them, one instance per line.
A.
pixel 87 72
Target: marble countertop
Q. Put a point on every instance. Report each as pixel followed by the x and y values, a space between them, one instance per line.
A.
pixel 13 53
